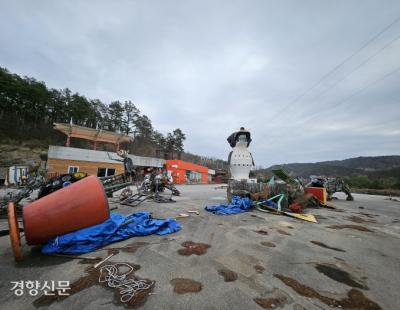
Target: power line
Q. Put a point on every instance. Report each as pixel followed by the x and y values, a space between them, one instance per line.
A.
pixel 362 89
pixel 369 85
pixel 296 124
pixel 358 67
pixel 339 65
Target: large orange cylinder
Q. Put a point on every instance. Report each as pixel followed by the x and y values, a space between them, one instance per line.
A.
pixel 79 205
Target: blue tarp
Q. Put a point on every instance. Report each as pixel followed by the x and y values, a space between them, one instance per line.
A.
pixel 238 205
pixel 91 238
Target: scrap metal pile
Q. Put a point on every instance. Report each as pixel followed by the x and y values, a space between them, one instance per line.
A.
pixel 155 186
pixel 290 197
pixel 34 182
pixel 332 185
pixel 283 194
pixel 152 187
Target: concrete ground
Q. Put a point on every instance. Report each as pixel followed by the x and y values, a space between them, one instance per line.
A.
pixel 272 261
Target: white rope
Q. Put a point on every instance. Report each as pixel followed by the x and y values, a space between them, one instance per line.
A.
pixel 129 287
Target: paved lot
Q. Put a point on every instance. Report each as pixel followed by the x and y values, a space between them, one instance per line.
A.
pixel 273 261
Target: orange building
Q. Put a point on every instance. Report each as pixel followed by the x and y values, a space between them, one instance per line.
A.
pixel 184 172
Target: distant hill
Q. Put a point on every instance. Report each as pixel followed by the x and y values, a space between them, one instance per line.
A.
pixel 368 163
pixel 379 172
pixel 373 166
pixel 210 162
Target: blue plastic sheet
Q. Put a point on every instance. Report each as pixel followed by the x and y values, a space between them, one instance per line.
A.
pixel 116 228
pixel 238 205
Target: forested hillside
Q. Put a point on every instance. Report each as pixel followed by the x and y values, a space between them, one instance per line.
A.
pixel 210 162
pixel 28 109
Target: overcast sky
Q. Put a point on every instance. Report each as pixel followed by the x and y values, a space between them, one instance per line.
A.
pixel 209 67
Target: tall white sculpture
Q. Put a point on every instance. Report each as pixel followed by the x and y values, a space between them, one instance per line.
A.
pixel 240 159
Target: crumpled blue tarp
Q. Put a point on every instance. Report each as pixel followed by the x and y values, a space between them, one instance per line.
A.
pixel 91 238
pixel 238 205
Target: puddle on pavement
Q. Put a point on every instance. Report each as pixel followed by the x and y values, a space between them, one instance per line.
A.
pixel 259 269
pixel 339 275
pixel 183 285
pixel 261 232
pixel 277 299
pixel 355 299
pixel 357 219
pixel 355 227
pixel 269 244
pixel 229 275
pixel 327 246
pixel 282 232
pixel 91 279
pixel 271 303
pixel 190 247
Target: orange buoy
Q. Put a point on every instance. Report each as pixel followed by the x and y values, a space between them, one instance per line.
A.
pixel 79 205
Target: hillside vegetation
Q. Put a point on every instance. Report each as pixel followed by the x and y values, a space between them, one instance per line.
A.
pixel 378 172
pixel 28 109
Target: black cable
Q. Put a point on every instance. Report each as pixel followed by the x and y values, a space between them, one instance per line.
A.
pixel 340 64
pixel 358 67
pixel 352 95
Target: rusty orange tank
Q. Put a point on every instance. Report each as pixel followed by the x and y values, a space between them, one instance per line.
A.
pixel 79 205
